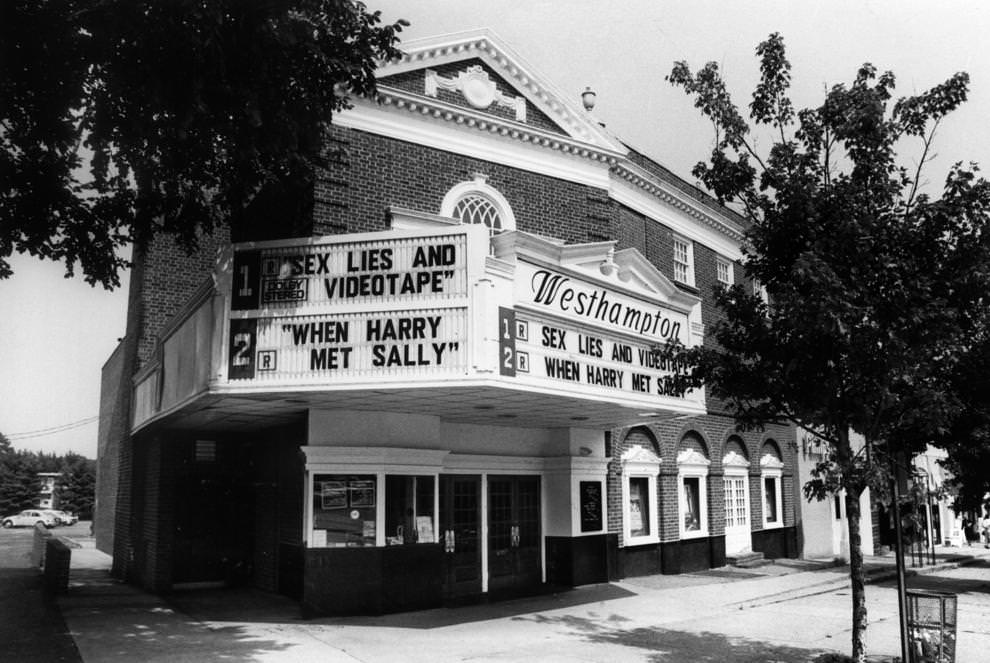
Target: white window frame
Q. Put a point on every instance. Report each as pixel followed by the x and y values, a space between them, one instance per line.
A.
pixel 723 271
pixel 638 463
pixel 684 263
pixel 771 467
pixel 480 187
pixel 691 464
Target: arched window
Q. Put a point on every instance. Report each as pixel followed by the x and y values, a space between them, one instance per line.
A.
pixel 476 201
pixel 475 208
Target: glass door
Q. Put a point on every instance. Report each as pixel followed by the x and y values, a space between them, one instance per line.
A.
pixel 460 527
pixel 513 534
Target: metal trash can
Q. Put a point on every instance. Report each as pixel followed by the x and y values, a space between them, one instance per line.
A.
pixel 931 618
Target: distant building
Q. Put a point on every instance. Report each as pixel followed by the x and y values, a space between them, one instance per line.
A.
pixel 47 492
pixel 436 382
pixel 824 530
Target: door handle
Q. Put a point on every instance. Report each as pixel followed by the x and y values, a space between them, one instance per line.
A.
pixel 449 541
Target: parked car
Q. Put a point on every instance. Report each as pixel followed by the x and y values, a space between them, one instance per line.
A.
pixel 29 518
pixel 62 517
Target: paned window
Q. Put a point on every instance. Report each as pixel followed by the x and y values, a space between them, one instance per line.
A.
pixel 735 502
pixel 478 202
pixel 683 261
pixel 474 208
pixel 723 271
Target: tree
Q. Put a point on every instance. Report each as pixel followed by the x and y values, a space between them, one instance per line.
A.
pixel 77 487
pixel 123 118
pixel 967 440
pixel 19 484
pixel 874 289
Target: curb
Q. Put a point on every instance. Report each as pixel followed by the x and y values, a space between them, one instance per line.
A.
pixel 872 577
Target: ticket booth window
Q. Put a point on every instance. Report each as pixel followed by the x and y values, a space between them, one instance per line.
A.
pixel 409 510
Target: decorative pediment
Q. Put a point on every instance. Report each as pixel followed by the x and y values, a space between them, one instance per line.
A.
pixel 640 460
pixel 771 462
pixel 477 88
pixel 480 91
pixel 734 459
pixel 692 458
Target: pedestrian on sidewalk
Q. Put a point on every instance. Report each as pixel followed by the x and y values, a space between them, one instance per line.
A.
pixel 985 528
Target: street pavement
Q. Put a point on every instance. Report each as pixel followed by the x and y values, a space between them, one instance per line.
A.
pixel 792 611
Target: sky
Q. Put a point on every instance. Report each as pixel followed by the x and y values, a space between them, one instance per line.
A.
pixel 56 333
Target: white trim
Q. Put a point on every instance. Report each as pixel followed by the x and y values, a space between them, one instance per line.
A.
pixel 771 467
pixel 486 141
pixel 485 45
pixel 479 185
pixel 723 240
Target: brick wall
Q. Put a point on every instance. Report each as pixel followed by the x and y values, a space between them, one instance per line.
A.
pixel 368 173
pixel 112 426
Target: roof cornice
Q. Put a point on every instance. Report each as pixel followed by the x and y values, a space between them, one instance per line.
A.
pixel 658 188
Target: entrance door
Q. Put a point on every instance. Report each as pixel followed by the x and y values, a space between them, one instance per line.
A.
pixel 737 529
pixel 460 526
pixel 513 534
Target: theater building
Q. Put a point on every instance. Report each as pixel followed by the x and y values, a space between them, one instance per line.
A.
pixel 437 383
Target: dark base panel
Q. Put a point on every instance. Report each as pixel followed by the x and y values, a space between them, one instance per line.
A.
pixel 716 547
pixel 692 554
pixel 581 560
pixel 291 562
pixel 639 560
pixel 776 543
pixel 372 581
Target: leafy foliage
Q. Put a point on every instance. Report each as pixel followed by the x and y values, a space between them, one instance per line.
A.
pixel 968 439
pixel 875 290
pixel 123 118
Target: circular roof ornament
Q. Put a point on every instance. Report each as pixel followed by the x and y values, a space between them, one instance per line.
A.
pixel 478 89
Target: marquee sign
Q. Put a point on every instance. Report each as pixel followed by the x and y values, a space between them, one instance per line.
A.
pixel 338 310
pixel 586 320
pixel 363 272
pixel 554 293
pixel 334 348
pixel 575 358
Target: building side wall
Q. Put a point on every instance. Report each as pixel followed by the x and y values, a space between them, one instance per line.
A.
pixel 108 442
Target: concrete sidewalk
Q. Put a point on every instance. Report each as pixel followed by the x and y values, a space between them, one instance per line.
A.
pixel 616 622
